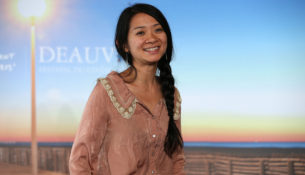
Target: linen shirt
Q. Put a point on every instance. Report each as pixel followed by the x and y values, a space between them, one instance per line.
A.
pixel 119 135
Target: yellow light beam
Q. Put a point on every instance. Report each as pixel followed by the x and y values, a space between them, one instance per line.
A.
pixel 33 9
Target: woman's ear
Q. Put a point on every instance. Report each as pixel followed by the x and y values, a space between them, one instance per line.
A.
pixel 124 45
pixel 126 48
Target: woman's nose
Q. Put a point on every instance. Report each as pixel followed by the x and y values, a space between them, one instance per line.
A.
pixel 151 38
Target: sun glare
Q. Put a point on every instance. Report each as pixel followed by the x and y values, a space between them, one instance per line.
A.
pixel 32 8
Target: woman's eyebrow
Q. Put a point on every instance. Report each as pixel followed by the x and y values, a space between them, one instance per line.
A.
pixel 156 25
pixel 141 27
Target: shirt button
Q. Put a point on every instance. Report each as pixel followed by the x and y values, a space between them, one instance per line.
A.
pixel 154 135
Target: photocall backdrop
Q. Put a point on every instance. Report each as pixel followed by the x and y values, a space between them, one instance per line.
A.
pixel 239 66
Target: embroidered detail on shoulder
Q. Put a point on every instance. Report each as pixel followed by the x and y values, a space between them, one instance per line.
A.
pixel 125 112
pixel 177 112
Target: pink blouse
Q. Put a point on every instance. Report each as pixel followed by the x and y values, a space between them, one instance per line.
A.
pixel 118 135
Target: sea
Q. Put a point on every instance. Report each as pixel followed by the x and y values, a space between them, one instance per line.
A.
pixel 186 144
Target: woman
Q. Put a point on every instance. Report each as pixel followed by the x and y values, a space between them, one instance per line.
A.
pixel 131 123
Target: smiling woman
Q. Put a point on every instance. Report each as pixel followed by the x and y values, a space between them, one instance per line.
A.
pixel 132 120
pixel 147 41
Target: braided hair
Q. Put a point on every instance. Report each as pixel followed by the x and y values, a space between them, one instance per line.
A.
pixel 173 139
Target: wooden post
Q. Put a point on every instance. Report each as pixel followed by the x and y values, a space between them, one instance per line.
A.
pixel 262 167
pixel 230 167
pixel 208 168
pixel 290 168
pixel 33 104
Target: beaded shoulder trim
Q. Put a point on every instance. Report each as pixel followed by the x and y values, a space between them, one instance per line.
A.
pixel 125 112
pixel 177 111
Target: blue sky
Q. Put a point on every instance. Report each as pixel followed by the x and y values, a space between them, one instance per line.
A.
pixel 231 57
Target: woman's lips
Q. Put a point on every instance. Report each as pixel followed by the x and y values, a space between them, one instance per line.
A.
pixel 152 49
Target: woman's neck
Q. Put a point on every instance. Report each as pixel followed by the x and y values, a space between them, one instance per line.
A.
pixel 145 76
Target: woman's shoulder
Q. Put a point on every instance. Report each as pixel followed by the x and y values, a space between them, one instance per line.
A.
pixel 121 98
pixel 109 81
pixel 110 84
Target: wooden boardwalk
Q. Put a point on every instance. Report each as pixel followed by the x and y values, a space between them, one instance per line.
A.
pixel 254 161
pixel 11 169
pixel 230 165
pixel 199 161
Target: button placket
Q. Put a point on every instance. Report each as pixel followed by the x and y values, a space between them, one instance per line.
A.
pixel 154 136
pixel 153 148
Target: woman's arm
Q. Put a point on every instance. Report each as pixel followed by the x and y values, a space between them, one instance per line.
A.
pixel 90 134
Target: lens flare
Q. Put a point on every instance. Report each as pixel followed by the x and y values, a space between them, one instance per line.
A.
pixel 32 8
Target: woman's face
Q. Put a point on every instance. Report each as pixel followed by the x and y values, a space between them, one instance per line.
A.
pixel 147 42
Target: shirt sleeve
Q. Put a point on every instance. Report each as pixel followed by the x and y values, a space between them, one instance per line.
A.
pixel 90 134
pixel 178 156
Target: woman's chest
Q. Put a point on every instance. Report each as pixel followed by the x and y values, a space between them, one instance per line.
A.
pixel 143 126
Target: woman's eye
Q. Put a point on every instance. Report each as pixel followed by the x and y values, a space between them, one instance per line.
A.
pixel 159 30
pixel 140 33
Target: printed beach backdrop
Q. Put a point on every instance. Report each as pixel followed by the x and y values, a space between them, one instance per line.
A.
pixel 239 66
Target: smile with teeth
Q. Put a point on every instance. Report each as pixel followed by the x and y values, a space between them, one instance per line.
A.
pixel 152 48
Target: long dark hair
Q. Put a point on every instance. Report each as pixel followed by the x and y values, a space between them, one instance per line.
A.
pixel 173 138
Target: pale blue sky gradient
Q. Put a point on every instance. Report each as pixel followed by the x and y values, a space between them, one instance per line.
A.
pixel 237 57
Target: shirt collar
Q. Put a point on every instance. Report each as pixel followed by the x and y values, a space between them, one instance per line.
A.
pixel 120 89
